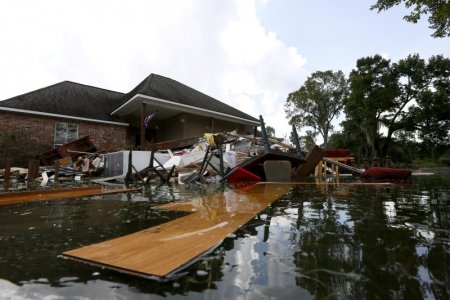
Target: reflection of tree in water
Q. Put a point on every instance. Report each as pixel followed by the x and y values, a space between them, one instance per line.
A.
pixel 368 256
pixel 327 256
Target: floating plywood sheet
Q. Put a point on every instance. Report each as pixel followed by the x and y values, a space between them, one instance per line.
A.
pixel 161 250
pixel 56 194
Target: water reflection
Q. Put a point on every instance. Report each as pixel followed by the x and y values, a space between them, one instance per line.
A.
pixel 375 244
pixel 342 241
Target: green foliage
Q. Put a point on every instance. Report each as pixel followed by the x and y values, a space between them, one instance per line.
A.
pixel 429 116
pixel 380 94
pixel 307 141
pixel 373 91
pixel 438 10
pixel 270 131
pixel 19 148
pixel 317 102
pixel 338 140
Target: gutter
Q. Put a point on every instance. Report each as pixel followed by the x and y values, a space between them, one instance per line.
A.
pixel 39 113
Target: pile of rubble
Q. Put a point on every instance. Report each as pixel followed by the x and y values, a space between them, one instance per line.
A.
pixel 209 159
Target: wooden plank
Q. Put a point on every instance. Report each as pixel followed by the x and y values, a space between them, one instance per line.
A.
pixel 161 250
pixel 175 144
pixel 56 194
pixel 312 159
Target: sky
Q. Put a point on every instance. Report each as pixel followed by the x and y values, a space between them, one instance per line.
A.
pixel 249 54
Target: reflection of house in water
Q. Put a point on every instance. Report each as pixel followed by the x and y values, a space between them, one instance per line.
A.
pixel 66 111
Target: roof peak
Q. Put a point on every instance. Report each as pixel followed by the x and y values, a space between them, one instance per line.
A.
pixel 58 84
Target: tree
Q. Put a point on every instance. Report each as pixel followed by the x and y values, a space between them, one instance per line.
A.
pixel 439 11
pixel 428 117
pixel 373 91
pixel 424 85
pixel 317 102
pixel 307 141
pixel 381 92
pixel 270 131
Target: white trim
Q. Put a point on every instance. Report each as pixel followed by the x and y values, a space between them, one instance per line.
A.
pixel 188 108
pixel 39 113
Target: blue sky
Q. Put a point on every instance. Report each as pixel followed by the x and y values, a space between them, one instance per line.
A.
pixel 247 53
pixel 333 34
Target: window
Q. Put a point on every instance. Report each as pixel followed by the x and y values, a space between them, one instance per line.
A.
pixel 65 133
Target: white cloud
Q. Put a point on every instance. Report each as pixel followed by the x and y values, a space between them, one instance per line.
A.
pixel 217 47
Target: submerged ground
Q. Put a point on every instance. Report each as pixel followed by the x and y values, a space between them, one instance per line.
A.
pixel 317 241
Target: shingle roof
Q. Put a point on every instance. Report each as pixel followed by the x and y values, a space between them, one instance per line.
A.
pixel 83 101
pixel 71 99
pixel 168 89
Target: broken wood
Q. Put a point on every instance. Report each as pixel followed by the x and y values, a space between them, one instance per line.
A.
pixel 70 149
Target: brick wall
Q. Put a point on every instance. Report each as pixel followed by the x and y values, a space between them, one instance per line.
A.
pixel 42 129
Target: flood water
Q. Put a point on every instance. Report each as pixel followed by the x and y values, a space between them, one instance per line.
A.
pixel 337 241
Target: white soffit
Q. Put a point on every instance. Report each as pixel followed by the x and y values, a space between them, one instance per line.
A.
pixel 132 104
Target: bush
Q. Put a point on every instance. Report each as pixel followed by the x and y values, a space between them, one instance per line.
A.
pixel 19 148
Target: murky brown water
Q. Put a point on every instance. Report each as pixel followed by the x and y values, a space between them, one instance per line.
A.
pixel 337 242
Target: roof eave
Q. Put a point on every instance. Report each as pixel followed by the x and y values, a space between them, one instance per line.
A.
pixel 44 114
pixel 131 104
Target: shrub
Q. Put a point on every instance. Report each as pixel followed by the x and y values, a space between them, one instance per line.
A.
pixel 19 148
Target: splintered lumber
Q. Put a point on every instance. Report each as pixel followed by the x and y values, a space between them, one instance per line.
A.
pixel 71 149
pixel 56 194
pixel 161 250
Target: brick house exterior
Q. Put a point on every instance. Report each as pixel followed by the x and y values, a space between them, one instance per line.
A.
pixel 114 121
pixel 42 130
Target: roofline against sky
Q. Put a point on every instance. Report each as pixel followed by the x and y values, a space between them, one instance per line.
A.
pixel 186 108
pixel 32 112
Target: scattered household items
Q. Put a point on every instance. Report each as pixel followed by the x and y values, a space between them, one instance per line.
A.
pixel 336 161
pixel 117 164
pixel 240 176
pixel 70 150
pixel 278 170
pixel 14 172
pixel 230 157
pixel 255 165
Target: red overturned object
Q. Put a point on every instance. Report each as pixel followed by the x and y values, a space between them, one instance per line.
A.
pixel 241 176
pixel 336 152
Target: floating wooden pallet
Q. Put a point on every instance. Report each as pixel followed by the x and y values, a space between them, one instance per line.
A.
pixel 164 249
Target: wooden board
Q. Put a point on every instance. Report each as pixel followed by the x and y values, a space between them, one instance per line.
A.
pixel 312 159
pixel 161 250
pixel 57 194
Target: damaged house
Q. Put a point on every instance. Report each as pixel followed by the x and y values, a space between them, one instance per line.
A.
pixel 159 109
